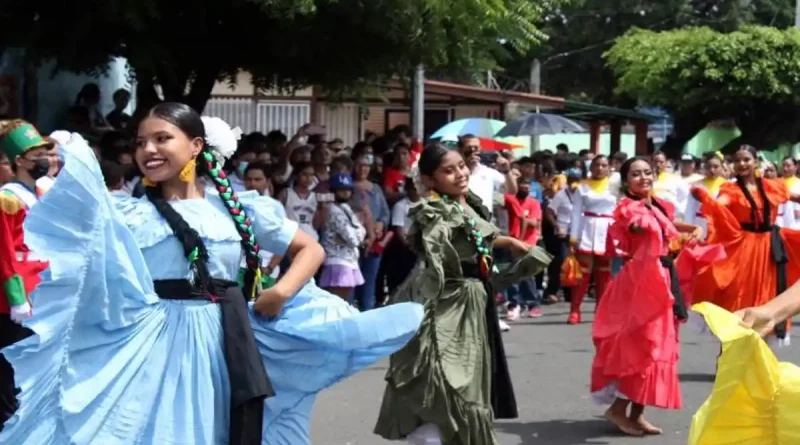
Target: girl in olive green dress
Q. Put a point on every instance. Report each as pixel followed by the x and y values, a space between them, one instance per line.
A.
pixel 451 381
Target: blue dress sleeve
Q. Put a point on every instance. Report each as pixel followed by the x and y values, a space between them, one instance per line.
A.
pixel 274 232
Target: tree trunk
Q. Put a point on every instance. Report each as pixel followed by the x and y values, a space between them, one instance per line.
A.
pixel 146 95
pixel 202 85
pixel 684 129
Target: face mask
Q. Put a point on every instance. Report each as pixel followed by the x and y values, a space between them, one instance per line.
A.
pixel 242 167
pixel 39 169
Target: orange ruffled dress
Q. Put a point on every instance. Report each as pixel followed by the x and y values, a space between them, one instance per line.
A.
pixel 749 275
pixel 635 330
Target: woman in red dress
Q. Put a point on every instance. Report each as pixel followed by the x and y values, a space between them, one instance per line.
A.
pixel 763 260
pixel 635 330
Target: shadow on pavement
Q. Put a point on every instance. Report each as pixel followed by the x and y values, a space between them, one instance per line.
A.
pixel 696 377
pixel 560 432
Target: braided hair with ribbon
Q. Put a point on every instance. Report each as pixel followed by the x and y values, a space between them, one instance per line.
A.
pixel 219 143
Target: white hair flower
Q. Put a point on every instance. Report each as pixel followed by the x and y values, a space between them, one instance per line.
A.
pixel 222 140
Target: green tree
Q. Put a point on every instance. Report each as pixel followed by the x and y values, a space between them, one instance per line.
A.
pixel 581 31
pixel 699 75
pixel 186 46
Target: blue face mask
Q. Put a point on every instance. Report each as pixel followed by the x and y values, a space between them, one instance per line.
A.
pixel 242 167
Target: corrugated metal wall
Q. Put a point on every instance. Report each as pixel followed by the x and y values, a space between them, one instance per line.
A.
pixel 342 121
pixel 284 116
pixel 236 111
pixel 260 115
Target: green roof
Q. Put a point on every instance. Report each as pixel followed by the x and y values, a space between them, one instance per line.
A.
pixel 591 112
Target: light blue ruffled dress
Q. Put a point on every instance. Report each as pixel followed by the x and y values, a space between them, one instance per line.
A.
pixel 112 364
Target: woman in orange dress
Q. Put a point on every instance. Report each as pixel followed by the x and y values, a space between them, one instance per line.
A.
pixel 762 258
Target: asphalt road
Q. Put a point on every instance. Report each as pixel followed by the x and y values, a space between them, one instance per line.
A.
pixel 550 367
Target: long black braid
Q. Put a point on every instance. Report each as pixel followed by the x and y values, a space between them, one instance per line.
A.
pixel 753 206
pixel 194 249
pixel 185 118
pixel 749 196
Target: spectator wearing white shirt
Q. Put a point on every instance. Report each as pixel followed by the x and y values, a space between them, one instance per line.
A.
pixel 484 181
pixel 399 257
pixel 559 213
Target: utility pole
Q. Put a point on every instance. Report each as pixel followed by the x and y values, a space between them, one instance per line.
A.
pixel 536 76
pixel 797 14
pixel 418 105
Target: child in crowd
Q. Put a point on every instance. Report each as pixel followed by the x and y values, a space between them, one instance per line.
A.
pixel 301 202
pixel 342 236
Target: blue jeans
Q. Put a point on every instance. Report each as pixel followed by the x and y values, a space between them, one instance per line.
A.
pixel 524 294
pixel 370 265
pixel 616 265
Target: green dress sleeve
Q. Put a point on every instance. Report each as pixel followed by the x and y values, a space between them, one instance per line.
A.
pixel 526 266
pixel 432 225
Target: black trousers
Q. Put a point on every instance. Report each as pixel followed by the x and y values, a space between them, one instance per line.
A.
pixel 559 248
pixel 10 333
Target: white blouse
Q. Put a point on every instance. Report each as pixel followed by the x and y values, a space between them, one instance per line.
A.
pixel 592 216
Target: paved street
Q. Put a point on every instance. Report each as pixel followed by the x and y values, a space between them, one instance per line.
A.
pixel 550 366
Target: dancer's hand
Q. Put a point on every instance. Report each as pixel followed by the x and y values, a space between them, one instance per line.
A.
pixel 698 193
pixel 270 302
pixel 520 247
pixel 697 233
pixel 760 319
pixel 20 312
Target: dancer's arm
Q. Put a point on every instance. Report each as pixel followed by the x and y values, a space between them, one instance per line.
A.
pixel 764 318
pixel 695 230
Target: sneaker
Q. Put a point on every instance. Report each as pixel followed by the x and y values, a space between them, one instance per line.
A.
pixel 535 313
pixel 504 327
pixel 513 314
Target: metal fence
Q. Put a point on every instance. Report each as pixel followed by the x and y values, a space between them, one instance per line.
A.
pixel 252 114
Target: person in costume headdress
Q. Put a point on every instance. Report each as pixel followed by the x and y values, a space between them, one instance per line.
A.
pixel 141 334
pixel 27 153
pixel 452 380
pixel 635 330
pixel 592 215
pixel 763 259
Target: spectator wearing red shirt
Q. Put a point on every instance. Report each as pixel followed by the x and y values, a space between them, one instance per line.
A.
pixel 524 223
pixel 394 175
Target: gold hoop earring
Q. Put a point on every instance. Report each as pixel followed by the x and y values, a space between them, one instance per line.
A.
pixel 147 182
pixel 188 171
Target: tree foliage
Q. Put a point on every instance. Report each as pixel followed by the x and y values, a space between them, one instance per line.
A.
pixel 581 31
pixel 186 46
pixel 699 75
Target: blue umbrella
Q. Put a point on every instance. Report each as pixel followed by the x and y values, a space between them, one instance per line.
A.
pixel 478 126
pixel 536 124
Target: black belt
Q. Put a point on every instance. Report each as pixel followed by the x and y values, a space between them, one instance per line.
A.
pixel 504 402
pixel 248 378
pixel 679 306
pixel 778 254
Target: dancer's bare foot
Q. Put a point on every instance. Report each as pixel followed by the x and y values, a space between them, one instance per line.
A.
pixel 647 427
pixel 621 421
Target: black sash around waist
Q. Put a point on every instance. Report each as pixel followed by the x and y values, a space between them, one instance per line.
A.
pixel 679 306
pixel 778 254
pixel 504 402
pixel 248 378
